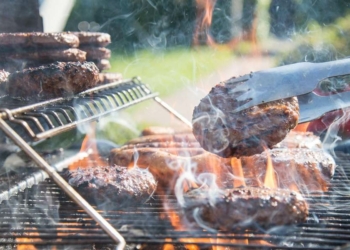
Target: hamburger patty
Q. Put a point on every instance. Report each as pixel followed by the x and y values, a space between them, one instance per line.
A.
pixel 113 185
pixel 243 133
pixel 58 79
pixel 109 77
pixel 246 207
pixel 102 64
pixel 47 55
pixel 308 169
pixel 39 40
pixel 93 53
pixel 168 156
pixel 93 39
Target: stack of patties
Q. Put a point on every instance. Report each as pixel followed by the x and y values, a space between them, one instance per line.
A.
pixel 23 50
pixel 94 44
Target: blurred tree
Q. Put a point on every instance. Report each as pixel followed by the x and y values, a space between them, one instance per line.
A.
pixel 290 16
pixel 282 17
pixel 136 24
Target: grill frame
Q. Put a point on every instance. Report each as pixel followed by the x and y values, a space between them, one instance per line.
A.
pixel 9 115
pixel 46 119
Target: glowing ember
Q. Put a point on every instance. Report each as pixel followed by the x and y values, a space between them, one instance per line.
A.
pixel 23 242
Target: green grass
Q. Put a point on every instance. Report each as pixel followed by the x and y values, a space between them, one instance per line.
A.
pixel 169 70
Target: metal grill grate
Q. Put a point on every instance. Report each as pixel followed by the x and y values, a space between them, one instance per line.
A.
pixel 48 217
pixel 49 118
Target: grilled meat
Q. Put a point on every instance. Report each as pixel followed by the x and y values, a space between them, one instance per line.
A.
pixel 307 169
pixel 44 56
pixel 93 39
pixel 243 133
pixel 239 208
pixel 38 40
pixel 109 77
pixel 177 137
pixel 154 130
pixel 158 131
pixel 113 185
pixel 164 141
pixel 58 79
pixel 102 64
pixel 93 53
pixel 168 156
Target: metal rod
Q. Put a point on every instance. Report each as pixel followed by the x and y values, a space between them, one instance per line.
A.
pixel 173 111
pixel 70 126
pixel 42 164
pixel 39 176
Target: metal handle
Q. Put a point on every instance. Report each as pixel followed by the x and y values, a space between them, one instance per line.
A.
pixel 42 164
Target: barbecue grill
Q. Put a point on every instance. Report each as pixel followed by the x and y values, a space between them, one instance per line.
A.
pixel 35 210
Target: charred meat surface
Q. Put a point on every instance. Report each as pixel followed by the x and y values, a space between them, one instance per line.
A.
pixel 38 40
pixel 244 133
pixel 102 64
pixel 168 164
pixel 42 56
pixel 167 156
pixel 177 137
pixel 307 169
pixel 60 79
pixel 109 77
pixel 95 39
pixel 113 185
pixel 246 207
pixel 154 130
pixel 97 53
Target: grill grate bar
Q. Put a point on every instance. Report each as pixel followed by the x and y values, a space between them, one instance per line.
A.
pixel 49 118
pixel 328 225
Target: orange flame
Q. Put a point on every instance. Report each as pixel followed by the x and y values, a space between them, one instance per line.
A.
pixel 270 178
pixel 237 170
pixel 302 127
pixel 204 15
pixel 22 243
pixel 89 145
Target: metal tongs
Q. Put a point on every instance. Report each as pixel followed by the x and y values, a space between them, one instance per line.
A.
pixel 320 87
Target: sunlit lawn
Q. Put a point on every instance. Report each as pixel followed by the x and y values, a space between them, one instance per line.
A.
pixel 169 70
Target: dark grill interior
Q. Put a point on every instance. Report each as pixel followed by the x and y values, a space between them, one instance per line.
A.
pixel 48 217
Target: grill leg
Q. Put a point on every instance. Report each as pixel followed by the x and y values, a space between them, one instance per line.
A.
pixel 42 164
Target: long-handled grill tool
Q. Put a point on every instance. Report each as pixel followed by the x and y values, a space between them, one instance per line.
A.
pixel 320 87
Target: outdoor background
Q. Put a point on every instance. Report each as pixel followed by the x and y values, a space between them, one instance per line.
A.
pixel 182 48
